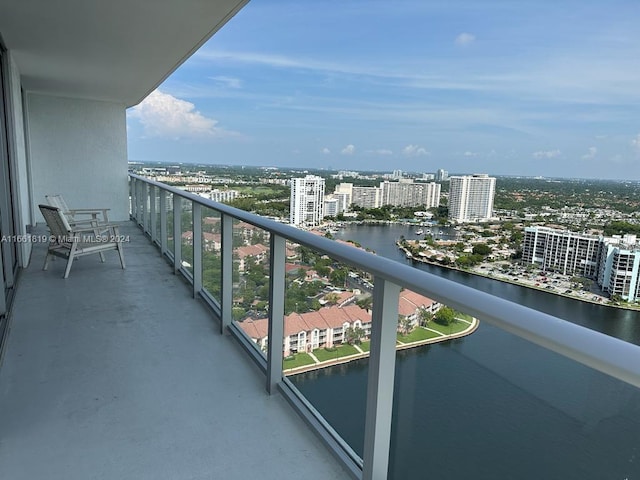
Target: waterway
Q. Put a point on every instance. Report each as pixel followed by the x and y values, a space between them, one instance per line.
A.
pixel 493 406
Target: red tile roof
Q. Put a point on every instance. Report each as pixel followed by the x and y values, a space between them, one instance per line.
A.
pixel 251 250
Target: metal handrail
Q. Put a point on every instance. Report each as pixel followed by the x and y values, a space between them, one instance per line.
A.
pixel 609 355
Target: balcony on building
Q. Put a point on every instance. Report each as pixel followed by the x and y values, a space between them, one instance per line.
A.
pixel 142 373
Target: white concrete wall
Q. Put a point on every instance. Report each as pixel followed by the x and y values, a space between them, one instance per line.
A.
pixel 79 148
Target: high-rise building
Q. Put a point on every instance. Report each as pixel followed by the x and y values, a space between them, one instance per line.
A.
pixel 406 193
pixel 561 251
pixel 366 197
pixel 619 267
pixel 471 197
pixel 441 175
pixel 307 201
pixel 345 192
pixel 331 206
pixel 614 262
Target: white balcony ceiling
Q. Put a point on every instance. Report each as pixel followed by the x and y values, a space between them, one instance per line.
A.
pixel 113 50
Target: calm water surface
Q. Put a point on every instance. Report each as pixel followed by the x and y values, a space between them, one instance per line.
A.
pixel 493 406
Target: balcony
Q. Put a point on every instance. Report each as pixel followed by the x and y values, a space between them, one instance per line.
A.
pixel 146 373
pixel 120 374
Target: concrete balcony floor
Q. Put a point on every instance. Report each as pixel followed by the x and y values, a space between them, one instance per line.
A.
pixel 120 374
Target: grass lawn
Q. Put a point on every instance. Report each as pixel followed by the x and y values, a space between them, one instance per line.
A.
pixel 323 354
pixel 455 327
pixel 298 360
pixel 365 346
pixel 417 335
pixel 464 316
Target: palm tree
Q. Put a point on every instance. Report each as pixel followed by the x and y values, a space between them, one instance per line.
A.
pixel 406 325
pixel 365 302
pixel 425 316
pixel 332 298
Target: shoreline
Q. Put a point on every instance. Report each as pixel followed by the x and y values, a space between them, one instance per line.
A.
pixel 473 326
pixel 512 282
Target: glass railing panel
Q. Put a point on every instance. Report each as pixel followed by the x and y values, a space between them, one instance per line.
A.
pixel 148 198
pixel 491 405
pixel 327 328
pixel 169 203
pixel 140 202
pixel 251 254
pixel 187 235
pixel 156 201
pixel 211 250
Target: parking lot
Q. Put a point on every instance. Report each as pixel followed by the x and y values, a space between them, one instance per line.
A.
pixel 550 281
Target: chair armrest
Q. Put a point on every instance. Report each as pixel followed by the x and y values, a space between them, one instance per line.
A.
pixel 89 221
pixel 102 226
pixel 91 211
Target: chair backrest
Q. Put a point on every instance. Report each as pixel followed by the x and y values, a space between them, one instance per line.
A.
pixel 56 221
pixel 57 200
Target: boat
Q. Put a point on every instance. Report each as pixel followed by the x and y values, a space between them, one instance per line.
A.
pixel 419 232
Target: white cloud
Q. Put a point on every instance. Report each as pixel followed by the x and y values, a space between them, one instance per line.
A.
pixel 547 154
pixel 470 154
pixel 414 151
pixel 591 154
pixel 326 151
pixel 381 151
pixel 635 143
pixel 348 150
pixel 229 82
pixel 163 115
pixel 465 39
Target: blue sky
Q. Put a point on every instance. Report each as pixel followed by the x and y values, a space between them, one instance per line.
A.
pixel 547 88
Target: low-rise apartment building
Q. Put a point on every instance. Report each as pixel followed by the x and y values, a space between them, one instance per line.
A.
pixel 327 327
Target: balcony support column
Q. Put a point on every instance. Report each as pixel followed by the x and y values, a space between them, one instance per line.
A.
pixel 275 340
pixel 382 361
pixel 177 233
pixel 197 248
pixel 226 289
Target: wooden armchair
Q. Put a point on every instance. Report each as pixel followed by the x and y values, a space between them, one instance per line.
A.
pixel 70 242
pixel 78 216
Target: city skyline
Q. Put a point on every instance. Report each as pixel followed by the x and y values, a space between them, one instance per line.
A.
pixel 534 89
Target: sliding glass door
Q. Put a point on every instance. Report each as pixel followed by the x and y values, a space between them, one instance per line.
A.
pixel 8 240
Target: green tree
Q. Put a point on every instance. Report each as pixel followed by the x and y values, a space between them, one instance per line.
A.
pixel 365 302
pixel 469 260
pixel 620 228
pixel 445 316
pixel 322 269
pixel 332 298
pixel 354 335
pixel 425 316
pixel 481 249
pixel 338 277
pixel 405 324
